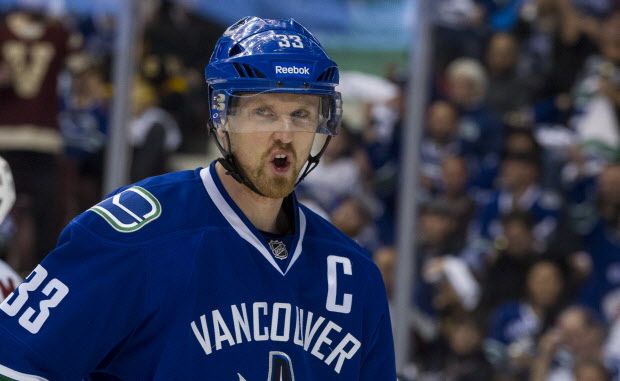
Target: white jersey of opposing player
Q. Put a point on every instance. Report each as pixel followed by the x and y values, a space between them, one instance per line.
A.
pixel 9 280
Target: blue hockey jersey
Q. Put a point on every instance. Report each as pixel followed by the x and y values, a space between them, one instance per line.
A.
pixel 168 280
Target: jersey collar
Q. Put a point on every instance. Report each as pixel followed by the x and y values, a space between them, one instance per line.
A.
pixel 240 223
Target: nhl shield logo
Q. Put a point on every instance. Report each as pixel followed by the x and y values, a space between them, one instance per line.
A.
pixel 278 249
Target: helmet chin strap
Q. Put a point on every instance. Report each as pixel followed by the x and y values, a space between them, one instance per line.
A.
pixel 313 161
pixel 232 168
pixel 230 164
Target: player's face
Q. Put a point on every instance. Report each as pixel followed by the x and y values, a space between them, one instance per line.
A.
pixel 273 145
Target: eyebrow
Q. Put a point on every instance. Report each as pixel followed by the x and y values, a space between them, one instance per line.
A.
pixel 263 103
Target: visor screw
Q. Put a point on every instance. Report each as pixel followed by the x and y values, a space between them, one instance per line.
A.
pixel 279 84
pixel 306 85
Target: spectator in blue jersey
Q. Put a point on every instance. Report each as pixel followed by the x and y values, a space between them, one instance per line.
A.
pixel 453 192
pixel 83 123
pixel 444 282
pixel 216 273
pixel 486 179
pixel 436 225
pixel 514 326
pixel 441 140
pixel 601 228
pixel 480 128
pixel 519 189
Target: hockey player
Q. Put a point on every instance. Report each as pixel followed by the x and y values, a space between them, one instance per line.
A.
pixel 218 273
pixel 8 278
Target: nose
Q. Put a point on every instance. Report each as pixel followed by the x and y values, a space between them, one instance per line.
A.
pixel 283 132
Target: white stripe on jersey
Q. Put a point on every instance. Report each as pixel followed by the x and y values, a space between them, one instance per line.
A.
pixel 18 376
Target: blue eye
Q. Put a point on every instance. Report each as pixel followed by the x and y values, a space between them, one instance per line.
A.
pixel 263 111
pixel 300 114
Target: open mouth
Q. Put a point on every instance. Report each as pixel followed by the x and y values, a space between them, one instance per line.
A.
pixel 281 162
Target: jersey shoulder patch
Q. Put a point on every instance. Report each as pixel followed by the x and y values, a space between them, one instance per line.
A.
pixel 129 210
pixel 152 209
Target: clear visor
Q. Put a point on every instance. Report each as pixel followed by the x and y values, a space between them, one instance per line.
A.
pixel 280 111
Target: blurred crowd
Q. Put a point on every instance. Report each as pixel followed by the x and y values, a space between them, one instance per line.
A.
pixel 56 90
pixel 518 245
pixel 518 239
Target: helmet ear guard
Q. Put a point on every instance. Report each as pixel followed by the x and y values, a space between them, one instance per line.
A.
pixel 257 56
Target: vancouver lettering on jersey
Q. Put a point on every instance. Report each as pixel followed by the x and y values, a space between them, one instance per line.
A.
pixel 262 321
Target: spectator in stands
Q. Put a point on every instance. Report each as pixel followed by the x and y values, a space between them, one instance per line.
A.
pixel 479 127
pixel 353 218
pixel 591 371
pixel 440 140
pixel 435 226
pixel 33 51
pixel 576 338
pixel 486 179
pixel 339 173
pixel 466 360
pixel 507 265
pixel 601 229
pixel 153 133
pixel 558 36
pixel 514 326
pixel 457 355
pixel 453 192
pixel 597 96
pixel 385 258
pixel 508 90
pixel 83 123
pixel 445 284
pixel 459 30
pixel 519 189
pixel 573 42
pixel 176 45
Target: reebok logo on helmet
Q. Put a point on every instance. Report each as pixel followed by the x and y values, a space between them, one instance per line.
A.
pixel 285 69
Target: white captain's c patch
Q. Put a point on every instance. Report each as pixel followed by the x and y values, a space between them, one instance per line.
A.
pixel 129 210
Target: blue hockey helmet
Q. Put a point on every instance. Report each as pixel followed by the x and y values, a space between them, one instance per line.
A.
pixel 261 55
pixel 256 56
